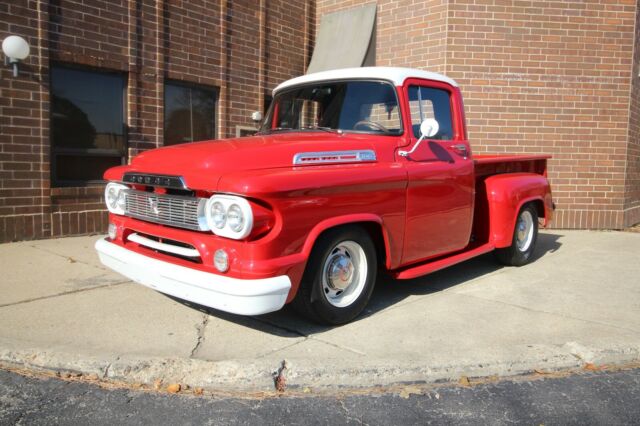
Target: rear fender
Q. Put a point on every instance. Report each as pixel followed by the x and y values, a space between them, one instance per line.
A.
pixel 506 194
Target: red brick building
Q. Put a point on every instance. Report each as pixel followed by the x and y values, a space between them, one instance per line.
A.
pixel 103 71
pixel 107 79
pixel 557 77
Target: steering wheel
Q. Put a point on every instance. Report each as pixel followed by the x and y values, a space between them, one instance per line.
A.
pixel 371 124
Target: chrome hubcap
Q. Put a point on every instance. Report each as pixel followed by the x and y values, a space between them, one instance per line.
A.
pixel 344 274
pixel 340 271
pixel 524 231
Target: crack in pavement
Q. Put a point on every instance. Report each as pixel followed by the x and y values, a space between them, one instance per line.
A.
pixel 306 338
pixel 550 313
pixel 200 328
pixel 280 327
pixel 266 354
pixel 98 266
pixel 64 293
pixel 106 371
pixel 347 413
pixel 336 345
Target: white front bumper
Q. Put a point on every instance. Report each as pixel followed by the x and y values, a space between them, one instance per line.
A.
pixel 238 296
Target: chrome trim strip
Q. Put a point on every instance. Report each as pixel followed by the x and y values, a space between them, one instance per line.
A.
pixel 169 248
pixel 335 157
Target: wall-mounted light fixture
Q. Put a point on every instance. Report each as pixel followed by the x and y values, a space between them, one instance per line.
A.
pixel 256 116
pixel 15 49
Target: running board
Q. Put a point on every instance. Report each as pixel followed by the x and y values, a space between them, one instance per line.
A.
pixel 435 265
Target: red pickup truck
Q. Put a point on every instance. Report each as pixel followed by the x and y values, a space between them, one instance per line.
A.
pixel 353 171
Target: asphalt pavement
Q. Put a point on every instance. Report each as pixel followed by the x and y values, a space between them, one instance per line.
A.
pixel 602 398
pixel 577 304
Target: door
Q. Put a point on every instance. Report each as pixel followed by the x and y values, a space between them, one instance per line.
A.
pixel 440 173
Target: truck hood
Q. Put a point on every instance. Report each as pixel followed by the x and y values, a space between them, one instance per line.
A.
pixel 201 164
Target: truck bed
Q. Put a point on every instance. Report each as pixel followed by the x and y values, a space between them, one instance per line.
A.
pixel 491 164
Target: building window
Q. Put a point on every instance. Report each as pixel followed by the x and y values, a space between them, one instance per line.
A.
pixel 427 102
pixel 87 124
pixel 189 113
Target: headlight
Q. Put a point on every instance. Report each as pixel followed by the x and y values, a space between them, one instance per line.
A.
pixel 229 216
pixel 114 197
pixel 235 218
pixel 218 215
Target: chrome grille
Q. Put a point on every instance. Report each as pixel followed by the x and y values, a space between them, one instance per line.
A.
pixel 172 210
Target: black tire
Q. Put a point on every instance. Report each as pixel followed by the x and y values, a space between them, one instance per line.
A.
pixel 340 250
pixel 522 244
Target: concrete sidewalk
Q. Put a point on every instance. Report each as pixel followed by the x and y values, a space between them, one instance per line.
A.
pixel 578 302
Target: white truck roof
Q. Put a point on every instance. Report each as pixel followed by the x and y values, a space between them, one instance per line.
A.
pixel 396 75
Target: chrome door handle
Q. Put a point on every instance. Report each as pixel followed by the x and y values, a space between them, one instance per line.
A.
pixel 460 148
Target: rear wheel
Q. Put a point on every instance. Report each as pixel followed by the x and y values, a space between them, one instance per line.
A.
pixel 340 276
pixel 524 239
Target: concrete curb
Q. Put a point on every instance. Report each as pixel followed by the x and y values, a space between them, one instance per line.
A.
pixel 576 304
pixel 233 376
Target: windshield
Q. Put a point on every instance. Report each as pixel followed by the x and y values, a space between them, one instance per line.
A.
pixel 353 106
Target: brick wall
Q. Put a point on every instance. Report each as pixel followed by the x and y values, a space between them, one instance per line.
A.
pixel 632 192
pixel 269 44
pixel 553 77
pixel 538 77
pixel 242 48
pixel 24 136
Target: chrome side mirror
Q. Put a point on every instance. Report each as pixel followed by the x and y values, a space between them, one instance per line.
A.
pixel 428 129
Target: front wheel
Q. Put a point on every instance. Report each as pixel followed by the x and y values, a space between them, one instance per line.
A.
pixel 340 275
pixel 524 239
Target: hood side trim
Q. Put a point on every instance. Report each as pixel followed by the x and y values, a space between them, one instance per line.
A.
pixel 334 157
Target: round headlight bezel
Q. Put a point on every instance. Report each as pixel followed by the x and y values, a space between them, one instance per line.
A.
pixel 245 212
pixel 114 198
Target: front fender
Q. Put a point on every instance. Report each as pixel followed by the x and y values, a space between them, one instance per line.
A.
pixel 346 220
pixel 506 194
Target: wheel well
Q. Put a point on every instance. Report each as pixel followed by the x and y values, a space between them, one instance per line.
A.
pixel 539 205
pixel 375 232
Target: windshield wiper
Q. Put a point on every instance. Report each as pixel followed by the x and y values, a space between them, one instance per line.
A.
pixel 324 129
pixel 275 129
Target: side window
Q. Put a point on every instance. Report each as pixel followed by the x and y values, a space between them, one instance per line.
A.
pixel 427 102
